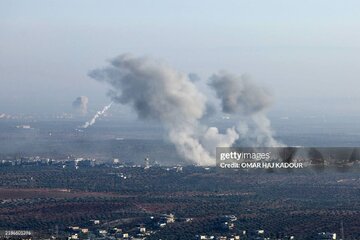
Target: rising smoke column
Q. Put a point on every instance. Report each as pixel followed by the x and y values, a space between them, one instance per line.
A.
pixel 239 95
pixel 157 91
pixel 96 116
pixel 80 104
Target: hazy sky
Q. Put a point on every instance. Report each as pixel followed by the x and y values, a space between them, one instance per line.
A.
pixel 306 52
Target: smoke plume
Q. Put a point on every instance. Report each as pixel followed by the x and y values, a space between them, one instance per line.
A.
pixel 80 104
pixel 240 96
pixel 157 91
pixel 96 116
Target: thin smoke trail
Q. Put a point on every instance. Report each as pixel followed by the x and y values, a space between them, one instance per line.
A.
pixel 97 115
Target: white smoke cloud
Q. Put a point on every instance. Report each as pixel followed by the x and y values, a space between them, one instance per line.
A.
pixel 81 104
pixel 239 95
pixel 256 131
pixel 96 116
pixel 213 139
pixel 157 91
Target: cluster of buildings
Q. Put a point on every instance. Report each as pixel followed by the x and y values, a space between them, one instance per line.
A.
pixel 99 230
pixel 260 235
pixel 43 161
pixel 75 232
pixel 155 224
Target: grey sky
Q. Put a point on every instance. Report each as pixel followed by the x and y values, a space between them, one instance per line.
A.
pixel 303 51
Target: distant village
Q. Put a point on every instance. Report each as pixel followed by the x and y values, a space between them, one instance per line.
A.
pixel 99 228
pixel 144 231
